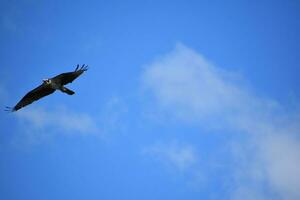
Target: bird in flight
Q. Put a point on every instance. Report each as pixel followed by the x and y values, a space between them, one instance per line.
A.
pixel 49 86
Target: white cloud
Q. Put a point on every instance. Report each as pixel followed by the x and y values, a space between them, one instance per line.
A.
pixel 38 124
pixel 247 193
pixel 281 157
pixel 59 119
pixel 191 88
pixel 113 115
pixel 181 157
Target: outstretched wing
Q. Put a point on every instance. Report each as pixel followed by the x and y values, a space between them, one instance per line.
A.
pixel 33 95
pixel 69 77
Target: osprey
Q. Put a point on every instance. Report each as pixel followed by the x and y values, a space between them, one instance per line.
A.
pixel 49 86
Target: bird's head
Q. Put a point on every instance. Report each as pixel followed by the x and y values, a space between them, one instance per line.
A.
pixel 46 81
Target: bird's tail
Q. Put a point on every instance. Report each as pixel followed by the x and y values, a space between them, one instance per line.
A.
pixel 68 91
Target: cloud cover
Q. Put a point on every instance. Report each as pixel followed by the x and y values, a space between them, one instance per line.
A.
pixel 58 119
pixel 180 156
pixel 191 88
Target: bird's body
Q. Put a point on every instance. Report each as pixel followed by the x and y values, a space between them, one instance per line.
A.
pixel 49 86
pixel 54 84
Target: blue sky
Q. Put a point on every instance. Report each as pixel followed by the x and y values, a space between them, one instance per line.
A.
pixel 183 100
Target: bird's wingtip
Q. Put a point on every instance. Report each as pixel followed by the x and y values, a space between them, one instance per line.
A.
pixel 77 67
pixel 84 67
pixel 9 109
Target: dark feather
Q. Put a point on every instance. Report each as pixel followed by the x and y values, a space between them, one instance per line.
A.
pixel 77 68
pixel 33 95
pixel 8 109
pixel 69 77
pixel 46 89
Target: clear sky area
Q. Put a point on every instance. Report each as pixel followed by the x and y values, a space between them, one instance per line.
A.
pixel 183 100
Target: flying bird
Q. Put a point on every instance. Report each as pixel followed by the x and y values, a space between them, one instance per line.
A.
pixel 49 86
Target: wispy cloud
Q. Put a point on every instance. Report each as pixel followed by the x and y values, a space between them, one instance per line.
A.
pixel 113 114
pixel 60 119
pixel 193 89
pixel 40 124
pixel 182 157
